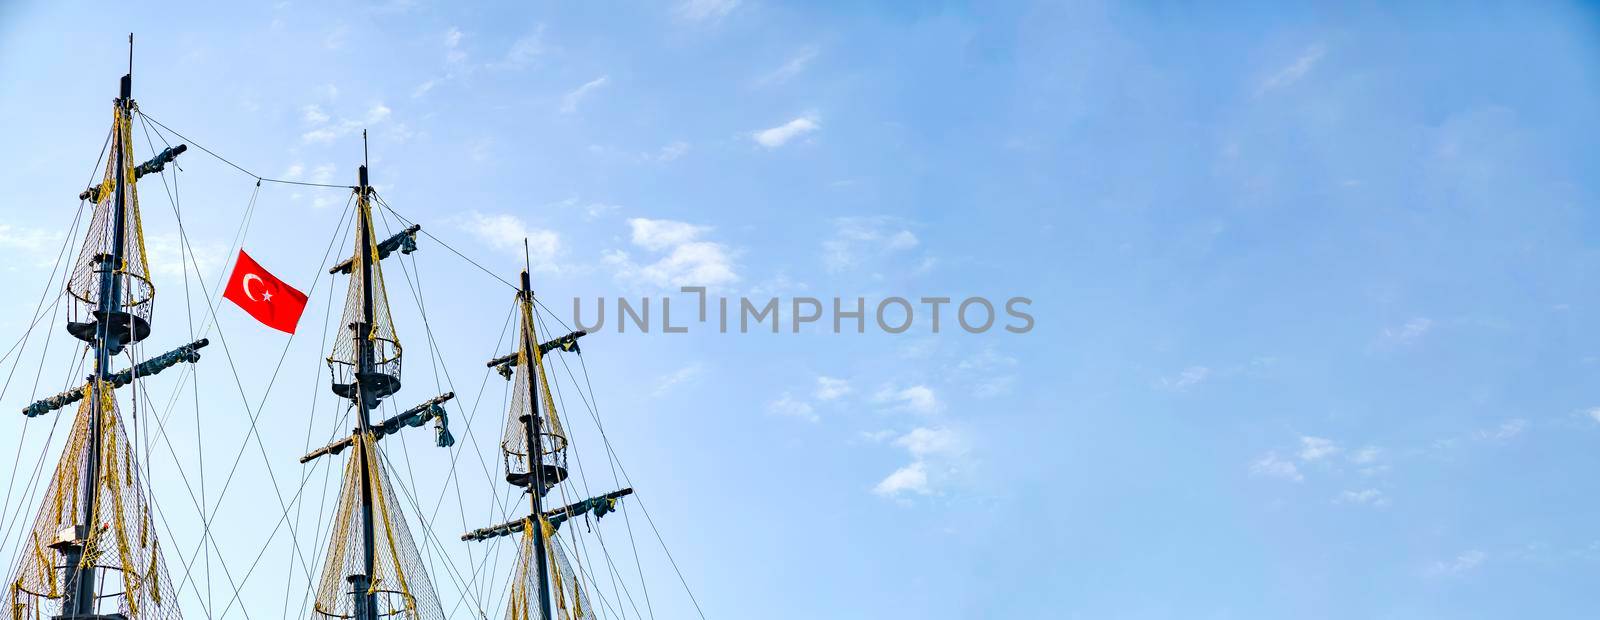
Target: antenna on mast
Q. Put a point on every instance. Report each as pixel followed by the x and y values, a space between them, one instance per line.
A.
pixel 130 53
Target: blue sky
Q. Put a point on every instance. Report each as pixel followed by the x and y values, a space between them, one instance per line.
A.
pixel 1310 286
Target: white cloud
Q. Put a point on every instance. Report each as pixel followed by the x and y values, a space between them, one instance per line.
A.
pixel 911 478
pixel 1506 430
pixel 936 453
pixel 926 442
pixel 313 114
pixel 525 49
pixel 1296 70
pixel 1412 331
pixel 36 241
pixel 1463 562
pixel 857 239
pixel 793 67
pixel 994 386
pixel 1365 497
pixel 662 234
pixel 505 232
pixel 294 171
pixel 594 210
pixel 775 137
pixel 1594 414
pixel 829 388
pixel 787 405
pixel 706 10
pixel 1272 466
pixel 1187 378
pixel 569 103
pixel 1316 448
pixel 877 436
pixel 916 398
pixel 331 131
pixel 167 256
pixel 1366 456
pixel 452 37
pixel 989 372
pixel 672 151
pixel 688 260
pixel 322 174
pixel 678 377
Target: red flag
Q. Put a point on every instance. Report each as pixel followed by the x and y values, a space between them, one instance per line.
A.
pixel 264 296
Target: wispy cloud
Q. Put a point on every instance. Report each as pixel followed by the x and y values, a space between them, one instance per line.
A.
pixel 705 10
pixel 775 137
pixel 788 405
pixel 855 240
pixel 1407 334
pixel 687 259
pixel 926 442
pixel 1364 497
pixel 524 50
pixel 936 453
pixel 1186 378
pixel 916 399
pixel 313 114
pixel 570 102
pixel 912 478
pixel 678 377
pixel 1462 563
pixel 672 151
pixel 168 257
pixel 1296 70
pixel 1316 448
pixel 829 388
pixel 324 132
pixel 506 232
pixel 793 67
pixel 1506 430
pixel 35 241
pixel 1270 465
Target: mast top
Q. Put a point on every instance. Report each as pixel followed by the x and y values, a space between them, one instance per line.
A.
pixel 364 160
pixel 127 80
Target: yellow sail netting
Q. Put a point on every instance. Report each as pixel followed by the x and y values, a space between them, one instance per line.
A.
pixel 380 335
pixel 567 598
pixel 121 542
pixel 136 292
pixel 399 580
pixel 514 438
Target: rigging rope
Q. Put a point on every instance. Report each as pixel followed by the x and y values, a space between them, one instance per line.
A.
pixel 225 160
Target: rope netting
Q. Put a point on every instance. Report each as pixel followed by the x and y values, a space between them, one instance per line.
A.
pixel 514 438
pixel 136 294
pixel 385 345
pixel 400 580
pixel 121 542
pixel 567 598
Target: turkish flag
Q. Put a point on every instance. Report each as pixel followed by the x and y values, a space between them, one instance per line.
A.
pixel 263 295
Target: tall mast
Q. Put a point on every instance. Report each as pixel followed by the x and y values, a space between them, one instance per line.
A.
pixel 80 592
pixel 532 426
pixel 365 599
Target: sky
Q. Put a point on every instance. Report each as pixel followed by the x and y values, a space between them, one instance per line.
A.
pixel 1308 287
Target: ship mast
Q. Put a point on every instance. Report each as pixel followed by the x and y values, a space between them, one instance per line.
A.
pixel 531 426
pixel 536 442
pixel 80 591
pixel 372 569
pixel 98 516
pixel 365 598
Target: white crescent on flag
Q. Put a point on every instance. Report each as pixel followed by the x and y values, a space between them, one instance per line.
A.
pixel 247 278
